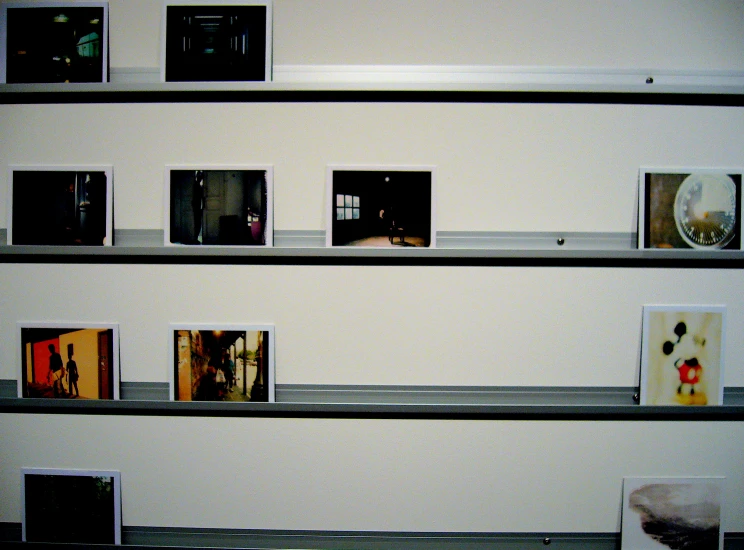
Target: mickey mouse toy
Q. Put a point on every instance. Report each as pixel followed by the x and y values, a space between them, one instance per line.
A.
pixel 688 367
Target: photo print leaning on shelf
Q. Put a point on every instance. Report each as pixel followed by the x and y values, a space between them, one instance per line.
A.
pixel 223 41
pixel 60 205
pixel 71 506
pixel 682 355
pixel 679 513
pixel 48 42
pixel 69 360
pixel 219 205
pixel 380 206
pixel 231 363
pixel 690 209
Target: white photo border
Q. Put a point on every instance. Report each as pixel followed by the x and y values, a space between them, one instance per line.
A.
pixel 268 61
pixel 108 169
pixel 268 230
pixel 676 308
pixel 114 327
pixel 52 4
pixel 263 327
pixel 646 170
pixel 630 483
pixel 329 206
pixel 114 474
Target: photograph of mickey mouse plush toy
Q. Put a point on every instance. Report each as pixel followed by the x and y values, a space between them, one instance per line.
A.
pixel 681 357
pixel 689 391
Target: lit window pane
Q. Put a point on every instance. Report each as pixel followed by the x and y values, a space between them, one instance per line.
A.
pixel 339 213
pixel 348 213
pixel 356 202
pixel 348 200
pixel 339 200
pixel 355 213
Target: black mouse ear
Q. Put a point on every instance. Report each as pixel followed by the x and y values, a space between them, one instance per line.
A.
pixel 681 329
pixel 667 348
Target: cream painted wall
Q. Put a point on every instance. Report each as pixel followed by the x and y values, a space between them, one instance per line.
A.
pixel 500 167
pixel 426 325
pixel 658 34
pixel 407 475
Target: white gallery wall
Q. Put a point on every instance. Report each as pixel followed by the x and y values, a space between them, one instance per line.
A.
pixel 499 167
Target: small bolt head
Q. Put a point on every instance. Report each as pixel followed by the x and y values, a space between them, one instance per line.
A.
pixel 546 541
pixel 561 241
pixel 650 80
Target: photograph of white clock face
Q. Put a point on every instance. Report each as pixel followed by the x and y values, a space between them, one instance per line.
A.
pixel 690 208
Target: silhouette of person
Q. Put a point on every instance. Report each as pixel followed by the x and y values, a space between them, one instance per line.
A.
pixel 72 375
pixel 56 371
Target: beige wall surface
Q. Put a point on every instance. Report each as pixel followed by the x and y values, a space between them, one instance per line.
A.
pixel 492 326
pixel 660 34
pixel 499 167
pixel 406 475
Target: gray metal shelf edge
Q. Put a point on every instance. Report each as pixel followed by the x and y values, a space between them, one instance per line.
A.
pixel 399 92
pixel 453 248
pixel 731 413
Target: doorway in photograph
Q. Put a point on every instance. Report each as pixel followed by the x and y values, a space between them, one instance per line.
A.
pixel 217 364
pixel 226 41
pixel 220 207
pixel 64 43
pixel 380 207
pixel 69 362
pixel 71 506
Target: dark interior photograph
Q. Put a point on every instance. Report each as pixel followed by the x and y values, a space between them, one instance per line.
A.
pixel 215 43
pixel 70 509
pixel 378 208
pixel 218 207
pixel 59 207
pixel 55 44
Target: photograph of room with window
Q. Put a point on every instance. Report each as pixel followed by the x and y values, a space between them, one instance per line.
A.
pixel 380 207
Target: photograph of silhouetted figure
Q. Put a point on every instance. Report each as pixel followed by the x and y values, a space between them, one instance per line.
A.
pixel 91 369
pixel 381 208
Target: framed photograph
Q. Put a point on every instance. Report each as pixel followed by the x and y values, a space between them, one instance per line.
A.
pixel 682 355
pixel 672 512
pixel 698 208
pixel 213 362
pixel 44 42
pixel 68 360
pixel 219 205
pixel 216 41
pixel 380 206
pixel 71 506
pixel 60 205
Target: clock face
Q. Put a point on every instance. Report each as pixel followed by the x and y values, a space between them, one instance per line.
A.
pixel 705 210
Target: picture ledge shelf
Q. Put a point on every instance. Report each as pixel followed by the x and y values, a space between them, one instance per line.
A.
pixel 148 537
pixel 406 83
pixel 392 402
pixel 466 248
